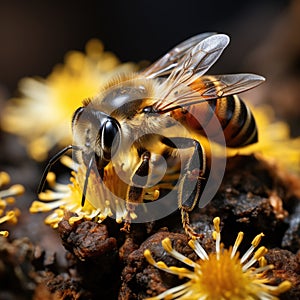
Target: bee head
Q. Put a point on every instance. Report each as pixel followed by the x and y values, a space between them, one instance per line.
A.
pixel 96 134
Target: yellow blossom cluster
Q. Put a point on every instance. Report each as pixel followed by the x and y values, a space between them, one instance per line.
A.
pixel 41 116
pixel 222 274
pixel 68 197
pixel 7 199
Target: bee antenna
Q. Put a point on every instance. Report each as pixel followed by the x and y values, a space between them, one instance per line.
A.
pixel 86 181
pixel 51 162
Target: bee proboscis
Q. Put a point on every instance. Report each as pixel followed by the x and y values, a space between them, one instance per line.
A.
pixel 140 120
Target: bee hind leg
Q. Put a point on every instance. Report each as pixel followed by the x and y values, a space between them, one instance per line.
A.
pixel 190 183
pixel 185 219
pixel 135 193
pixel 190 187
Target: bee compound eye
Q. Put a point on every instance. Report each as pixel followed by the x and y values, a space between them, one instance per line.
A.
pixel 110 137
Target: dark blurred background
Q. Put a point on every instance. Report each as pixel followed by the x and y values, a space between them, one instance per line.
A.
pixel 35 35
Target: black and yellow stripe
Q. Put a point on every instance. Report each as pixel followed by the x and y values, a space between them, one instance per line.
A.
pixel 237 121
pixel 235 117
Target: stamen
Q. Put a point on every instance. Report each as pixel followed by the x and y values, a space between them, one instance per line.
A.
pixel 10 216
pixel 3 205
pixel 14 190
pixel 263 269
pixel 54 218
pixel 4 179
pixel 93 214
pixel 74 219
pixel 237 243
pixel 255 242
pixel 258 254
pixel 69 162
pixel 149 257
pixel 169 294
pixel 282 287
pixel 51 195
pixel 217 235
pixel 195 245
pixel 262 261
pixel 51 179
pixel 181 272
pixel 162 266
pixel 216 222
pixel 167 245
pixel 182 290
pixel 38 206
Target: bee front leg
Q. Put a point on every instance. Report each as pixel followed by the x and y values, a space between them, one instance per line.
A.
pixel 135 193
pixel 190 183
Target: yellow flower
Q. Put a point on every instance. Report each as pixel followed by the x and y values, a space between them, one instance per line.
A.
pixel 104 196
pixel 274 140
pixel 220 275
pixel 42 116
pixel 7 198
pixel 68 197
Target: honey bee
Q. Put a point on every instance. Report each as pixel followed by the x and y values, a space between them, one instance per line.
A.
pixel 139 124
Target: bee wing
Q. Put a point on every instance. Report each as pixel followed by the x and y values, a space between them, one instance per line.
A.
pixel 169 61
pixel 193 65
pixel 209 88
pixel 218 86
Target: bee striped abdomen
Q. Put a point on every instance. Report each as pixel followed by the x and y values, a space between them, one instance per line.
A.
pixel 235 117
pixel 237 121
